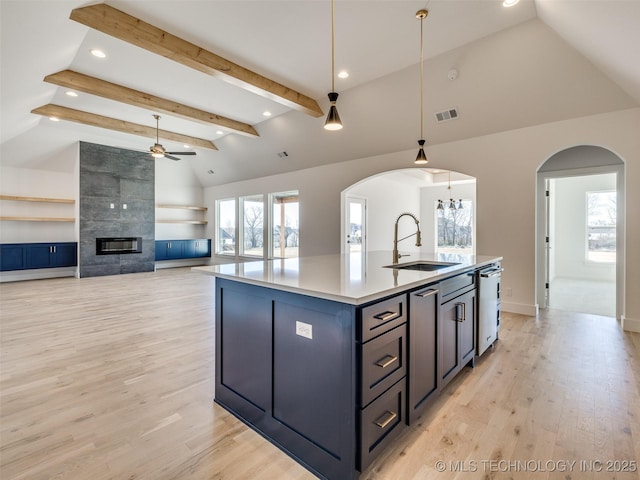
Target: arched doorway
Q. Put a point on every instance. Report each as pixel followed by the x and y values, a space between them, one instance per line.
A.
pixel 384 196
pixel 580 231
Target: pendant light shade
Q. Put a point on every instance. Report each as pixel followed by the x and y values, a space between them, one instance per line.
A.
pixel 421 158
pixel 333 121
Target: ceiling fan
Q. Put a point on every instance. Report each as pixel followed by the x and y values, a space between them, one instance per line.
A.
pixel 158 151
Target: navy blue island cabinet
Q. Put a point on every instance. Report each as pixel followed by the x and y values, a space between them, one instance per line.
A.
pixel 323 380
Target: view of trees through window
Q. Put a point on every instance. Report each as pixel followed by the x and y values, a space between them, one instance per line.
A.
pixel 601 226
pixel 253 225
pixel 455 228
pixel 226 226
pixel 285 225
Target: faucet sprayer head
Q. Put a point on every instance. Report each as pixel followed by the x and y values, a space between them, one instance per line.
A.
pixel 418 238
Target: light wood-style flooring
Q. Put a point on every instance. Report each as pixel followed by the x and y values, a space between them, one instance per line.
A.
pixel 112 378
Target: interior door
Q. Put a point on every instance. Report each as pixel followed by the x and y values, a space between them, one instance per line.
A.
pixel 355 224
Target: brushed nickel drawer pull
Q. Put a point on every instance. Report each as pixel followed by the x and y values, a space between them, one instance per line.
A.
pixel 386 316
pixel 386 419
pixel 386 361
pixel 427 293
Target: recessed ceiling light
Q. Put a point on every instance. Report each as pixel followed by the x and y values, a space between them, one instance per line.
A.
pixel 186 146
pixel 54 119
pixel 509 3
pixel 98 53
pixel 266 113
pixel 343 74
pixel 220 132
pixel 71 94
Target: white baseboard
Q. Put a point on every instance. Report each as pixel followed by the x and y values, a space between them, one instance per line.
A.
pixel 37 274
pixel 520 308
pixel 189 262
pixel 630 324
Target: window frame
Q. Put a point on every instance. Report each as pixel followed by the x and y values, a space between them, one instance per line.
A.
pixel 234 252
pixel 613 226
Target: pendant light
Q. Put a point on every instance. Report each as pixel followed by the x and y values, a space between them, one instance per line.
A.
pixel 333 121
pixel 452 203
pixel 421 159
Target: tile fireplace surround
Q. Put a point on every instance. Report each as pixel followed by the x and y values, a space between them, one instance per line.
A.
pixel 117 191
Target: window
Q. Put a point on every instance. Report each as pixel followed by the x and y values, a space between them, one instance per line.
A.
pixel 601 227
pixel 226 227
pixel 252 212
pixel 284 225
pixel 455 228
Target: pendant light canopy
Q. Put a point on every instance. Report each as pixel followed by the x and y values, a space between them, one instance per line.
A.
pixel 421 158
pixel 333 121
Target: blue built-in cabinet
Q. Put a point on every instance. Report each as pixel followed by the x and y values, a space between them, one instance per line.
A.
pixel 25 256
pixel 182 249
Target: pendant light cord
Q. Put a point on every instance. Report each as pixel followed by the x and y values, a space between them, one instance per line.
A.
pixel 421 77
pixel 333 89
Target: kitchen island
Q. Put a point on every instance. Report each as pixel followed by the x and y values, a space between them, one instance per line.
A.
pixel 331 357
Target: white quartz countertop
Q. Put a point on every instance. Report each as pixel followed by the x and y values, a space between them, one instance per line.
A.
pixel 350 278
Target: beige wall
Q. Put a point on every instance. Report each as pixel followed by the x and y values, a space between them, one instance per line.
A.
pixel 505 166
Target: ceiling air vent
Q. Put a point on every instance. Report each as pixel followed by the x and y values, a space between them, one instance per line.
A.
pixel 445 115
pixel 283 154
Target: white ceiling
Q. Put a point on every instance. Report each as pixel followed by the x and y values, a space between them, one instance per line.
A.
pixel 289 41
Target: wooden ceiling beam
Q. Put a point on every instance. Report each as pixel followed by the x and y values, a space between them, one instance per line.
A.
pixel 118 24
pixel 79 116
pixel 113 91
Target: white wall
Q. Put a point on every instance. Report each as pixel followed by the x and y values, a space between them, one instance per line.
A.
pixel 428 200
pixel 570 208
pixel 386 199
pixel 29 182
pixel 176 184
pixel 505 166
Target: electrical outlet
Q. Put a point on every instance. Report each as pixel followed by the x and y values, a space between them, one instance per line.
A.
pixel 304 330
pixel 508 292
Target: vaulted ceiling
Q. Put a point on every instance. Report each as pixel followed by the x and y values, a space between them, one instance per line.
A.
pixel 210 70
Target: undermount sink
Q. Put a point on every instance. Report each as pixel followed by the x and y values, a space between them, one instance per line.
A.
pixel 423 266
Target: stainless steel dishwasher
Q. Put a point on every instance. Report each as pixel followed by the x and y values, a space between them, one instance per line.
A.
pixel 488 306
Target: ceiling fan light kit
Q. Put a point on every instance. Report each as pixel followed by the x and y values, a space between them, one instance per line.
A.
pixel 158 151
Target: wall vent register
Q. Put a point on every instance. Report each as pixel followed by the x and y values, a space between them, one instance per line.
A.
pixel 118 245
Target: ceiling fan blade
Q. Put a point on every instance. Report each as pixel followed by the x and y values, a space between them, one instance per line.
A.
pixel 181 153
pixel 170 157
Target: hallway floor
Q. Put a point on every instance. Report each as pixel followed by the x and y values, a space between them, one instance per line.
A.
pixel 584 296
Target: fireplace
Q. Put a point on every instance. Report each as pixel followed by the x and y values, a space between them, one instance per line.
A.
pixel 118 245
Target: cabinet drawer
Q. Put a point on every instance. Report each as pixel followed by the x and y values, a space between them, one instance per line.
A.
pixel 381 422
pixel 383 363
pixel 452 285
pixel 383 316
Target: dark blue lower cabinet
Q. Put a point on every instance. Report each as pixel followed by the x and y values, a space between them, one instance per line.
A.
pixel 12 257
pixel 23 256
pixel 286 365
pixel 181 249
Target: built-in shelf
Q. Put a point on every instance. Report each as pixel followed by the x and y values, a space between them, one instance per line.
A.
pixel 18 198
pixel 184 207
pixel 193 222
pixel 39 219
